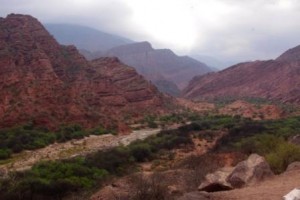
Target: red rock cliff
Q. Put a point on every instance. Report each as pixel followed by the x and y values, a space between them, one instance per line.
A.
pixel 49 84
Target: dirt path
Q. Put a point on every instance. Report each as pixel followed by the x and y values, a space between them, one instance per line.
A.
pixel 73 148
pixel 272 189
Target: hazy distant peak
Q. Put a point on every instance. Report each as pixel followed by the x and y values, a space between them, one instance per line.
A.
pixel 84 37
pixel 142 46
pixel 134 48
pixel 166 51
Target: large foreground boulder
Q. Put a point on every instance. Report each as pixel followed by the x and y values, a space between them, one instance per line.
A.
pixel 247 172
pixel 217 181
pixel 250 171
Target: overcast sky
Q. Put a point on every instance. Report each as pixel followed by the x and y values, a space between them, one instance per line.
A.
pixel 226 29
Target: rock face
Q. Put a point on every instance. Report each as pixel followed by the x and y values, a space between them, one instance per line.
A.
pixel 274 80
pixel 248 172
pixel 169 72
pixel 49 84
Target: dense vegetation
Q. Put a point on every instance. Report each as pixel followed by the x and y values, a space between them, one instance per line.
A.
pixel 267 138
pixel 14 140
pixel 56 179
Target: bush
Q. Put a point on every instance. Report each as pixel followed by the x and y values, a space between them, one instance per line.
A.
pixel 283 155
pixel 17 139
pixel 5 153
pixel 149 188
pixel 99 131
pixel 141 152
pixel 114 160
pixel 52 179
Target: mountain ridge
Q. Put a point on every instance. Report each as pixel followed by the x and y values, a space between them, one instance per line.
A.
pixel 273 79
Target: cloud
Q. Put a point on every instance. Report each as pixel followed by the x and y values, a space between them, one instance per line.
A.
pixel 251 30
pixel 226 29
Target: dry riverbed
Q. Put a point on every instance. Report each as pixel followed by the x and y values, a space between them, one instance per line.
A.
pixel 26 159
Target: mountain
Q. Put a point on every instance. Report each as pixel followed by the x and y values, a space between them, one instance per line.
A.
pixel 290 55
pixel 85 37
pixel 169 72
pixel 49 84
pixel 273 79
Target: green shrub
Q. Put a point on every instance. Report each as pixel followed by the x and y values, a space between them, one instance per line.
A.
pixel 99 131
pixel 141 152
pixel 114 160
pixel 152 124
pixel 52 179
pixel 17 139
pixel 283 155
pixel 5 153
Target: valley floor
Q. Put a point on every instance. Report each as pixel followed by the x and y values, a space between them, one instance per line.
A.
pixel 26 159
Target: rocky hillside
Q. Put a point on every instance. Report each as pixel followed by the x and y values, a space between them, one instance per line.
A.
pixel 290 55
pixel 274 80
pixel 85 37
pixel 169 72
pixel 49 84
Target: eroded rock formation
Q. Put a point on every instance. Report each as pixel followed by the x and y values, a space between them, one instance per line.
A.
pixel 49 84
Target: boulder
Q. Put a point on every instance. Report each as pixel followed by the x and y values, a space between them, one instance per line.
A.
pixel 250 171
pixel 293 166
pixel 217 181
